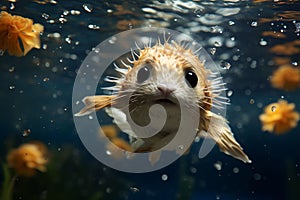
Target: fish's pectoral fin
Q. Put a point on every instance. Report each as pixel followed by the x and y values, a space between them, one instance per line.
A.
pixel 154 157
pixel 95 103
pixel 220 131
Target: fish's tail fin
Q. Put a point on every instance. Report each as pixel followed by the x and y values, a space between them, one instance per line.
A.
pixel 220 131
pixel 95 103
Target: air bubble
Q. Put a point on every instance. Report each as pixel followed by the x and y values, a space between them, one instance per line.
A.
pixel 112 40
pixel 134 189
pixel 198 11
pixel 75 12
pixel 254 24
pixel 87 7
pixel 12 69
pixel 54 69
pixel 217 44
pixel 225 65
pixel 297 25
pixel 263 42
pixel 230 43
pixel 73 57
pixel 236 170
pixel 26 132
pixel 53 35
pixel 218 165
pixel 253 64
pixel 51 21
pixel 216 29
pixel 193 170
pixel 257 176
pixel 62 20
pixel 164 177
pixel 229 93
pixel 66 12
pixel 11 87
pixel 230 23
pixel 96 50
pixel 108 190
pixel 12 6
pixel 93 27
pixel 213 51
pixel 68 40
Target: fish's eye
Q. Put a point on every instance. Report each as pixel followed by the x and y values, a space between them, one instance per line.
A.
pixel 191 78
pixel 143 74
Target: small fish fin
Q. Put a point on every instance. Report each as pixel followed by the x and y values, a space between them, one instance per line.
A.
pixel 220 131
pixel 136 143
pixel 95 103
pixel 120 119
pixel 154 157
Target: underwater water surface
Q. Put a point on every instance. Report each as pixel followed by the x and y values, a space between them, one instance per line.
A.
pixel 248 40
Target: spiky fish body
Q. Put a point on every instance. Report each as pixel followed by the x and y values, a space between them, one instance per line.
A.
pixel 174 77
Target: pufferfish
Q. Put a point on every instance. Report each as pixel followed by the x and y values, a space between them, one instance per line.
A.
pixel 173 76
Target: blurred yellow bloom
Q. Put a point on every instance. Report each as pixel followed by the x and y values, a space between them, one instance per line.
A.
pixel 286 77
pixel 18 35
pixel 279 117
pixel 28 158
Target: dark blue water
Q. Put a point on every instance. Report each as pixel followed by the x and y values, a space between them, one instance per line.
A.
pixel 36 94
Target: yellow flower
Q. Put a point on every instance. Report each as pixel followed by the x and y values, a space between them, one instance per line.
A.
pixel 286 77
pixel 28 158
pixel 14 29
pixel 279 117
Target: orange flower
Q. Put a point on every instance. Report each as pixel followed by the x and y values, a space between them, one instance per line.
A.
pixel 14 29
pixel 286 77
pixel 288 49
pixel 279 117
pixel 28 158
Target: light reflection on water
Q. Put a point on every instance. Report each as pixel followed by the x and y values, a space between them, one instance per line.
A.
pixel 253 38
